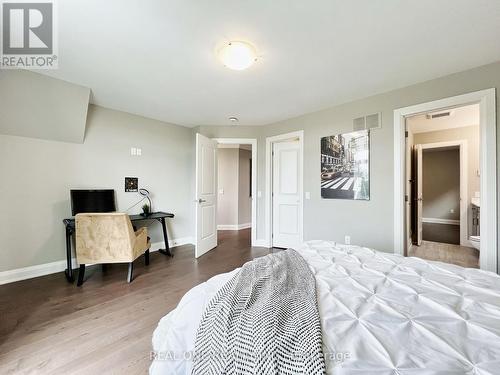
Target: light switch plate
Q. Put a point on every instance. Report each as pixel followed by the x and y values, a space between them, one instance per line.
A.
pixel 308 195
pixel 347 240
pixel 139 152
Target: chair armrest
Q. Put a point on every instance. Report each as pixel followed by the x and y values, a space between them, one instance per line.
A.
pixel 141 232
pixel 141 241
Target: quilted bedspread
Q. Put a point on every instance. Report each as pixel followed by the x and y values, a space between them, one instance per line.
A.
pixel 380 314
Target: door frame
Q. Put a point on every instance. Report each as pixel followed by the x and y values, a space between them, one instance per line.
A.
pixel 464 181
pixel 253 143
pixel 488 162
pixel 269 181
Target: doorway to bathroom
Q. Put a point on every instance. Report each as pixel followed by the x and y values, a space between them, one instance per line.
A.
pixel 445 170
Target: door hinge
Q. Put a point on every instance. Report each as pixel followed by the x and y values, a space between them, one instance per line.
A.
pixel 406 134
pixel 406 198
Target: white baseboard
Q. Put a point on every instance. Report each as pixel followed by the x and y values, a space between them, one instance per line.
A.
pixel 155 246
pixel 60 265
pixel 440 221
pixel 261 243
pixel 234 227
pixel 33 271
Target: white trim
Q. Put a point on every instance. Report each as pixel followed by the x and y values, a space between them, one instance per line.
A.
pixel 269 141
pixel 464 183
pixel 234 226
pixel 486 100
pixel 155 246
pixel 33 271
pixel 30 272
pixel 253 142
pixel 435 220
pixel 261 243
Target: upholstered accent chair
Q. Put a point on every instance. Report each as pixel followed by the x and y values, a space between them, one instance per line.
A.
pixel 103 238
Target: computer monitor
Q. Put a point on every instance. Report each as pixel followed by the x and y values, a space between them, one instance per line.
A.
pixel 92 201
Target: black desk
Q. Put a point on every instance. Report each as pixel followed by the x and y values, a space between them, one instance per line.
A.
pixel 70 230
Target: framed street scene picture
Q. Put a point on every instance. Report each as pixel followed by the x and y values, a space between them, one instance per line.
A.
pixel 345 166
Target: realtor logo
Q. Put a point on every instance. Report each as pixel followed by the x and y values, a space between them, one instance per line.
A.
pixel 28 35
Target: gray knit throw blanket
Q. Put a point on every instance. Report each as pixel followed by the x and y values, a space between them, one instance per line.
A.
pixel 264 320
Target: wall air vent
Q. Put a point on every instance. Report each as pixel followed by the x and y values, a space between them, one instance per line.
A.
pixel 358 124
pixel 367 122
pixel 432 116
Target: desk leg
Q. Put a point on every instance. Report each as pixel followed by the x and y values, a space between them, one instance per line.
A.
pixel 165 251
pixel 69 269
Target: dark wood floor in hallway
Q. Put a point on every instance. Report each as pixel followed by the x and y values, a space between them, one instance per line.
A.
pixel 48 326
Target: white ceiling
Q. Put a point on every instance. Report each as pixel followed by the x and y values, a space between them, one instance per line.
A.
pixel 459 118
pixel 157 58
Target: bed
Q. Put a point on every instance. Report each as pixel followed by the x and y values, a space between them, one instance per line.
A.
pixel 380 313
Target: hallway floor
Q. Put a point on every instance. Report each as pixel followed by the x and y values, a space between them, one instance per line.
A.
pixel 448 253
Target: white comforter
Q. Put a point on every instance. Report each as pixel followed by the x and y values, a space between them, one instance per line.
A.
pixel 380 314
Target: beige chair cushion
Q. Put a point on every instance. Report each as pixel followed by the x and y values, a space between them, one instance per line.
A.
pixel 108 238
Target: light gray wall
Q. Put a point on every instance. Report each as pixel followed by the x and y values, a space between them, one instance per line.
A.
pixel 33 105
pixel 36 176
pixel 369 223
pixel 441 184
pixel 227 203
pixel 244 199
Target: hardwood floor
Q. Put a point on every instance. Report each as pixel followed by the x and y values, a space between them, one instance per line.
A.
pixel 48 326
pixel 448 253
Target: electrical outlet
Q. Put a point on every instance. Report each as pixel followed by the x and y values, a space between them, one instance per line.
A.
pixel 221 191
pixel 347 240
pixel 452 211
pixel 133 151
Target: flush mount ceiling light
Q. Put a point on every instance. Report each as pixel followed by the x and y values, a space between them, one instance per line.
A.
pixel 237 55
pixel 233 120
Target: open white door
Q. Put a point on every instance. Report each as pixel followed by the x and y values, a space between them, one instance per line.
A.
pixel 420 198
pixel 287 195
pixel 408 193
pixel 206 198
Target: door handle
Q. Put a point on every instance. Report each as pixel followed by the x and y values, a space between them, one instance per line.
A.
pixel 200 201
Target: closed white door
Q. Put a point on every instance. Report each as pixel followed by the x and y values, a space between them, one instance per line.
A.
pixel 206 199
pixel 420 198
pixel 287 195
